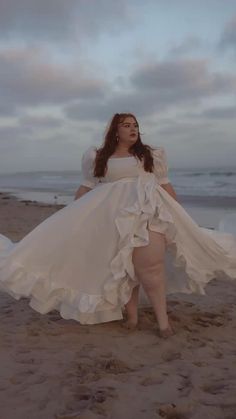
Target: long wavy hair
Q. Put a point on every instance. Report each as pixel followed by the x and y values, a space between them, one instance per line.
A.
pixel 138 149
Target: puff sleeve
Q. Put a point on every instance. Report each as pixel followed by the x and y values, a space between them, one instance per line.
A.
pixel 87 167
pixel 160 165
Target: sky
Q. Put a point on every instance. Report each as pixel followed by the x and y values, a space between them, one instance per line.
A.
pixel 66 66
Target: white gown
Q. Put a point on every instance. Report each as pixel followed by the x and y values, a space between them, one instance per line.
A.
pixel 79 260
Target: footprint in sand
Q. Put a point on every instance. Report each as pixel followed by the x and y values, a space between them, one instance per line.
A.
pixel 175 318
pixel 186 386
pixel 32 331
pixel 169 356
pixel 30 360
pixel 187 312
pixel 171 411
pixel 188 304
pixel 218 355
pixel 173 303
pixel 200 364
pixel 151 381
pixel 28 377
pixel 23 350
pixel 215 388
pixel 206 319
pixel 78 415
pixel 195 343
pixel 113 366
pixel 86 403
pixel 94 369
pixel 107 355
pixel 8 312
pixel 86 351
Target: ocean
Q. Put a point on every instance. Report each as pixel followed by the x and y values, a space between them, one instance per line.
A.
pixel 199 190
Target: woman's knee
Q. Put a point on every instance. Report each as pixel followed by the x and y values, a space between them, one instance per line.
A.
pixel 151 269
pixel 149 260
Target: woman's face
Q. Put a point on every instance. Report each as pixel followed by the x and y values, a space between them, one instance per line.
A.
pixel 127 131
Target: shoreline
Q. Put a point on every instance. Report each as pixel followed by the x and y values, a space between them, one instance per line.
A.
pixel 206 211
pixel 19 217
pixel 48 197
pixel 209 201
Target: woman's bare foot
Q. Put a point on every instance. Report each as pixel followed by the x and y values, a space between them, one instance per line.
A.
pixel 130 324
pixel 166 333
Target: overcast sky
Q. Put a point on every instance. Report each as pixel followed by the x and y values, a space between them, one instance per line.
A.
pixel 67 65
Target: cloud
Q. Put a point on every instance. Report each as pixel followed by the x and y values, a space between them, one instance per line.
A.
pixel 228 37
pixel 23 153
pixel 7 109
pixel 186 47
pixel 14 143
pixel 179 80
pixel 60 20
pixel 157 87
pixel 36 122
pixel 100 111
pixel 185 130
pixel 139 103
pixel 193 144
pixel 62 77
pixel 28 77
pixel 10 132
pixel 219 112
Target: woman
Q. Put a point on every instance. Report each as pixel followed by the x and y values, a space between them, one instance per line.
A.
pixel 123 141
pixel 89 258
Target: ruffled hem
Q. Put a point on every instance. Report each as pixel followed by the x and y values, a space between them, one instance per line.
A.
pixel 45 296
pixel 152 210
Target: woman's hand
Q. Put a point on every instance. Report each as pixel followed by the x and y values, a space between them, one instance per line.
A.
pixel 81 191
pixel 169 188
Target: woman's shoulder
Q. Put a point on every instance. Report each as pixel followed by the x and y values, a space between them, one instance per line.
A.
pixel 157 151
pixel 90 152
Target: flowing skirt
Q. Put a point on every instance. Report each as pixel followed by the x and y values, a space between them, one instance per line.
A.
pixel 79 260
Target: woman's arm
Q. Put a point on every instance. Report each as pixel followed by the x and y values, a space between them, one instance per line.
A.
pixel 81 191
pixel 169 188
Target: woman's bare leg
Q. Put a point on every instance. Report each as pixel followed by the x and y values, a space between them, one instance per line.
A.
pixel 132 309
pixel 150 270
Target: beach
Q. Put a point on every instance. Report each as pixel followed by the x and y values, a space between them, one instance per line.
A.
pixel 56 368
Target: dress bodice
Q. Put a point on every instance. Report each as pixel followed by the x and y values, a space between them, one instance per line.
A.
pixel 122 167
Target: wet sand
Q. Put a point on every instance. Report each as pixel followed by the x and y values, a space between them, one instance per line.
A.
pixel 56 368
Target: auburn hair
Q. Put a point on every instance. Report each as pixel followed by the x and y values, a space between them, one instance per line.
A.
pixel 138 149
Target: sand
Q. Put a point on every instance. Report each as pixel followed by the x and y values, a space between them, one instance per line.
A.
pixel 56 368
